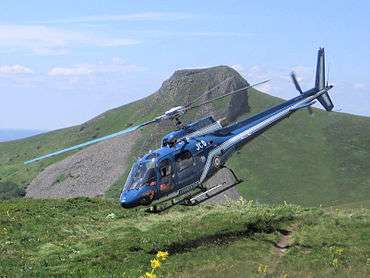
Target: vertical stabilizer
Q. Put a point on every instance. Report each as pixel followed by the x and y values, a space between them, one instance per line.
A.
pixel 320 70
pixel 324 99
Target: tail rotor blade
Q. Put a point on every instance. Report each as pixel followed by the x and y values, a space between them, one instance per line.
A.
pixel 295 81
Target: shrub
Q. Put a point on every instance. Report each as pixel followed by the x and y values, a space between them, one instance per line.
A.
pixel 10 190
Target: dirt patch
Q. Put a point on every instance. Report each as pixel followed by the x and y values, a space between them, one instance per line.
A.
pixel 285 241
pixel 89 172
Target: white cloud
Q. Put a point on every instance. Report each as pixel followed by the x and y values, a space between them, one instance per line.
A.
pixel 14 69
pixel 264 88
pixel 45 40
pixel 280 81
pixel 301 69
pixel 116 66
pixel 50 51
pixel 145 16
pixel 115 42
pixel 360 86
pixel 36 35
pixel 239 68
pixel 155 33
pixel 83 69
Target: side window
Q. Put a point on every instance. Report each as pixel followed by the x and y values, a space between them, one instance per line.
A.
pixel 151 176
pixel 165 168
pixel 184 160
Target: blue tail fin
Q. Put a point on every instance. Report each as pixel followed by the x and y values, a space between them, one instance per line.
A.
pixel 324 99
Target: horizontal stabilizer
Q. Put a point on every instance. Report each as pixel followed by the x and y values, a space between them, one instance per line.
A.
pixel 325 101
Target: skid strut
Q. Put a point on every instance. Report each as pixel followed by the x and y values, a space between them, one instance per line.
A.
pixel 180 200
pixel 213 191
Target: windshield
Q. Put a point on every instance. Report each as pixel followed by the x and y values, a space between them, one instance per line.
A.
pixel 140 174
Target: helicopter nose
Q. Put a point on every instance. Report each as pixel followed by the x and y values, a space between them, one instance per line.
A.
pixel 127 205
pixel 128 200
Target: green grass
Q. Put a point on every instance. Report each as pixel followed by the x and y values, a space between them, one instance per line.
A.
pixel 96 238
pixel 10 190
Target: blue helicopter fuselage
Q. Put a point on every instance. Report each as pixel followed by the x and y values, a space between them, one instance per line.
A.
pixel 179 168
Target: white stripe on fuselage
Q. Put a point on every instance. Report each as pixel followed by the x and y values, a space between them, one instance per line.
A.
pixel 250 131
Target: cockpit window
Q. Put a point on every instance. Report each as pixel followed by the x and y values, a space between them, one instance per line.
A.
pixel 141 174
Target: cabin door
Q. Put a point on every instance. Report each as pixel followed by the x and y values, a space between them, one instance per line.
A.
pixel 185 168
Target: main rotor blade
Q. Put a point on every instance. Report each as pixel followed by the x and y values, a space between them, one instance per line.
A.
pixel 208 91
pixel 228 94
pixel 295 81
pixel 88 143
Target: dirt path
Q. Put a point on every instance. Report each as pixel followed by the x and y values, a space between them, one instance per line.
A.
pixel 280 248
pixel 284 243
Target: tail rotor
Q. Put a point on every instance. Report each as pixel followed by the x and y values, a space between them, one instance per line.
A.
pixel 295 82
pixel 299 89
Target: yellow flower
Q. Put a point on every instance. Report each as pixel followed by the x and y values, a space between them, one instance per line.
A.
pixel 262 268
pixel 155 263
pixel 162 255
pixel 285 275
pixel 150 275
pixel 335 262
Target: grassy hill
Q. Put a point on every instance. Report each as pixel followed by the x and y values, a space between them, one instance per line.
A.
pixel 319 159
pixel 96 238
pixel 323 159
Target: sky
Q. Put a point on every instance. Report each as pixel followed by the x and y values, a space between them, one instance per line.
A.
pixel 64 62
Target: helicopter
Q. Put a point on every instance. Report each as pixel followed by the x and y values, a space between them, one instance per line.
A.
pixel 175 174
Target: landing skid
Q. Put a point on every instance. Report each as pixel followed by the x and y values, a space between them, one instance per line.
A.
pixel 163 207
pixel 171 203
pixel 201 195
